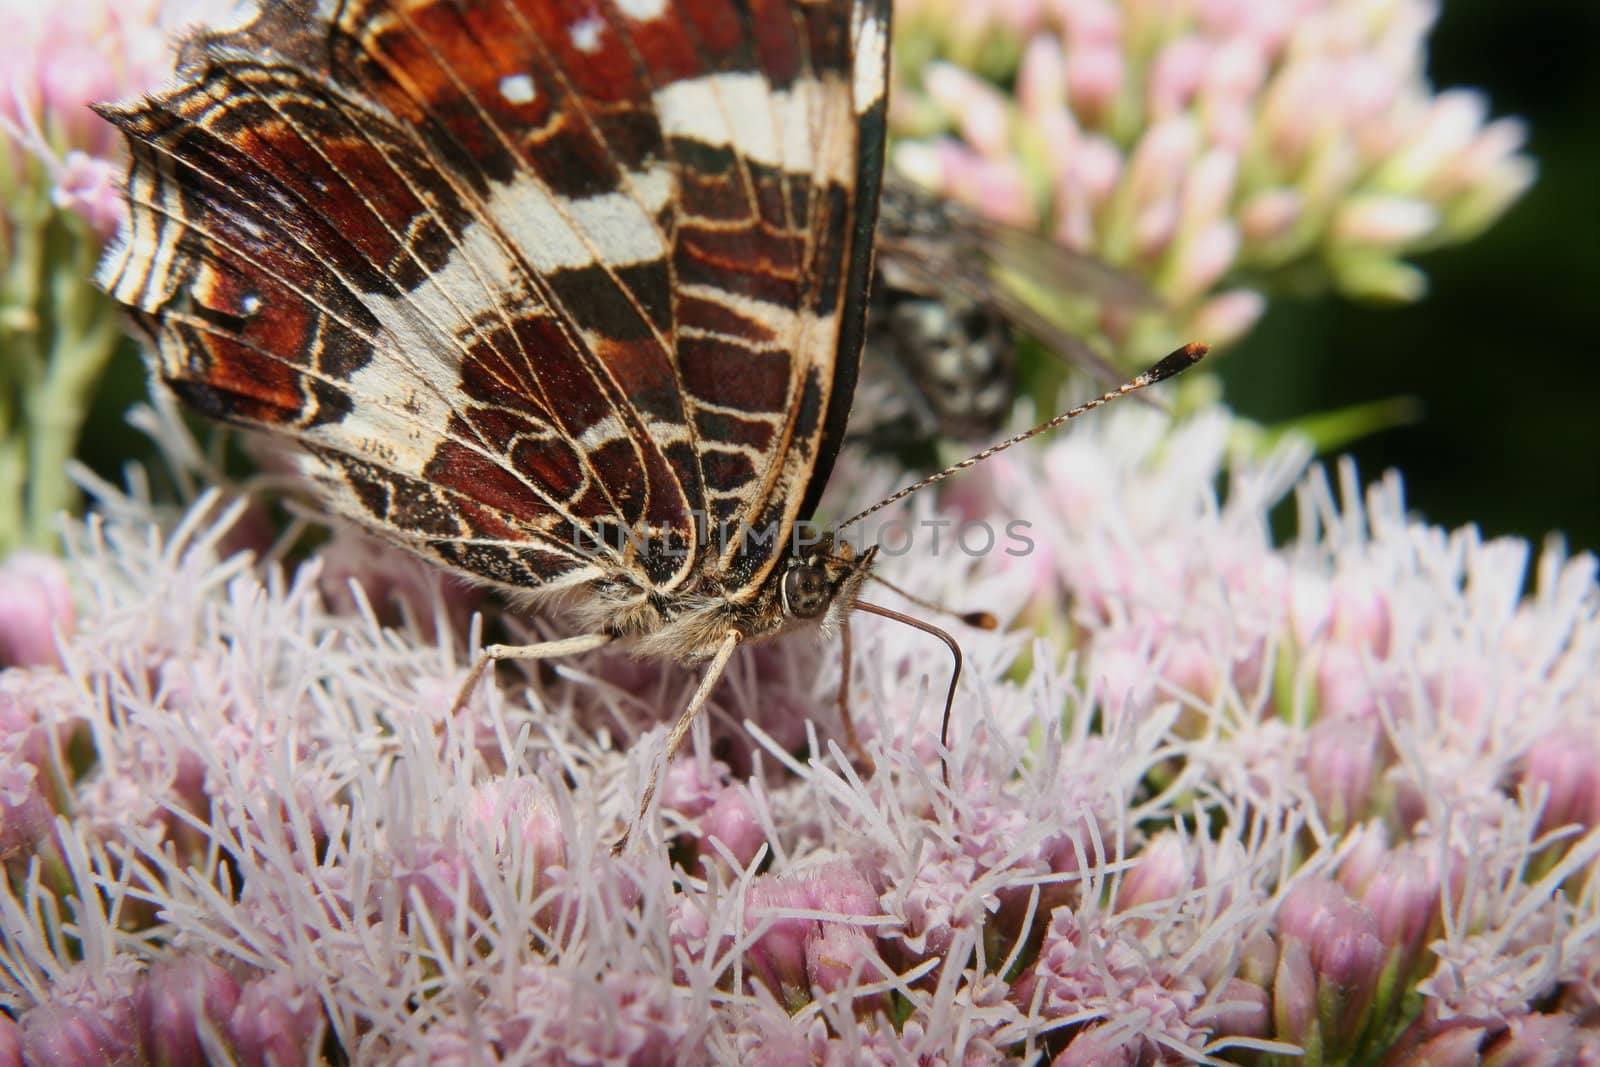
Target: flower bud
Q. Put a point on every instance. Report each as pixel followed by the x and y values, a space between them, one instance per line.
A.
pixel 1228 316
pixel 517 820
pixel 840 887
pixel 56 1035
pixel 1348 962
pixel 1385 221
pixel 1243 1009
pixel 25 812
pixel 1345 686
pixel 1361 616
pixel 1566 765
pixel 795 952
pixel 778 956
pixel 35 605
pixel 1456 1047
pixel 1270 214
pixel 177 999
pixel 1042 77
pixel 841 957
pixel 1094 79
pixel 1101 1046
pixel 1343 949
pixel 1403 897
pixel 440 878
pixel 275 1023
pixel 91 187
pixel 1340 763
pixel 1294 995
pixel 1202 260
pixel 1367 852
pixel 1258 958
pixel 1176 75
pixel 1163 871
pixel 1534 1041
pixel 733 821
pixel 979 108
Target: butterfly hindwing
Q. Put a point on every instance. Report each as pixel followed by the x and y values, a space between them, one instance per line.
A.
pixel 951 299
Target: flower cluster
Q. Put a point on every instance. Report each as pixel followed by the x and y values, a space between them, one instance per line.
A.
pixel 1213 149
pixel 1304 803
pixel 61 167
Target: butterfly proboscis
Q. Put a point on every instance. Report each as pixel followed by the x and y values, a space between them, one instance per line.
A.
pixel 808 592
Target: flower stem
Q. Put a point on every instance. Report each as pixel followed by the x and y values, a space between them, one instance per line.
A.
pixel 87 334
pixel 57 333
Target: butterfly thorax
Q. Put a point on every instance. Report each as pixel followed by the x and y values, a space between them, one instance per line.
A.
pixel 813 588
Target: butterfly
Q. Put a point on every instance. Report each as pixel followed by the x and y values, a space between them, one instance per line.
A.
pixel 566 296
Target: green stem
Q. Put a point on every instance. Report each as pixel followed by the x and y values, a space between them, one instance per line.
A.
pixel 21 363
pixel 58 406
pixel 57 333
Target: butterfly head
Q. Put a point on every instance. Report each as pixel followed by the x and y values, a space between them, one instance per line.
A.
pixel 821 583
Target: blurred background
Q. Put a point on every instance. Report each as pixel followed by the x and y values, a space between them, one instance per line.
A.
pixel 1503 354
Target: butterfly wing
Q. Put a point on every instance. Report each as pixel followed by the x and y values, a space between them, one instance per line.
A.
pixel 773 263
pixel 453 248
pixel 946 304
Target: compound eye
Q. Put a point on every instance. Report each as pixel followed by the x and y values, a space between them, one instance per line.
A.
pixel 805 591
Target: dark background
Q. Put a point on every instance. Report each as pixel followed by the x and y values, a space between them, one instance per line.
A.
pixel 1503 354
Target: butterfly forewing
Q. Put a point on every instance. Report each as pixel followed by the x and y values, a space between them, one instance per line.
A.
pixel 545 288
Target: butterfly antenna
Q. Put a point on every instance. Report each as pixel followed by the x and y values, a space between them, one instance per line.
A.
pixel 1175 363
pixel 983 620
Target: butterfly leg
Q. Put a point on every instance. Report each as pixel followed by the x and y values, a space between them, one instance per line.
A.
pixel 492 654
pixel 680 729
pixel 852 740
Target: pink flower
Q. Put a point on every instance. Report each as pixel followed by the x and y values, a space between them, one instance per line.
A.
pixel 55 1035
pixel 178 998
pixel 1201 145
pixel 1404 898
pixel 26 769
pixel 1343 953
pixel 732 821
pixel 788 956
pixel 274 1022
pixel 58 59
pixel 1341 766
pixel 10 1042
pixel 35 605
pixel 1565 764
pixel 397 584
pixel 1089 969
pixel 89 1017
pixel 1206 796
pixel 607 1018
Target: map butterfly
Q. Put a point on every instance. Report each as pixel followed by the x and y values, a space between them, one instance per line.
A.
pixel 552 292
